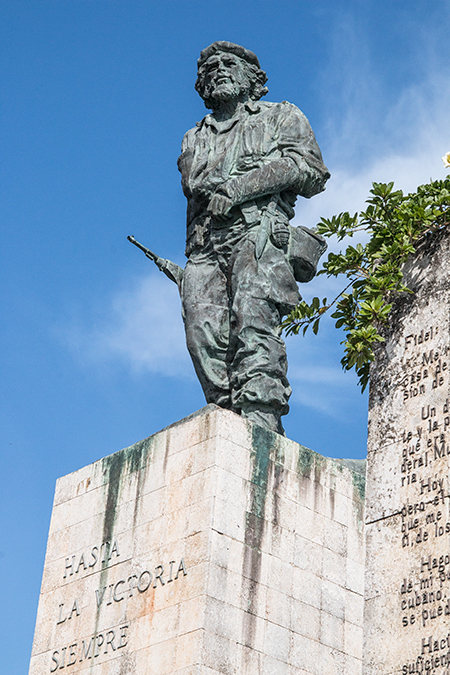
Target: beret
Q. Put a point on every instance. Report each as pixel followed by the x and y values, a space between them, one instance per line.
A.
pixel 223 46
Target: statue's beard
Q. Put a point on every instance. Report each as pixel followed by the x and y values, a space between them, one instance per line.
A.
pixel 225 92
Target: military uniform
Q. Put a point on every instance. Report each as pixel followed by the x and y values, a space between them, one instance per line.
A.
pixel 239 280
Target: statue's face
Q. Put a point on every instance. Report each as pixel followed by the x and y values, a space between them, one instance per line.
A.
pixel 226 77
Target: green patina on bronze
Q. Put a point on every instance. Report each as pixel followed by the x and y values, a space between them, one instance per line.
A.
pixel 242 168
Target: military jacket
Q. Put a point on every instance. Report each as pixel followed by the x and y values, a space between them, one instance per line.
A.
pixel 216 154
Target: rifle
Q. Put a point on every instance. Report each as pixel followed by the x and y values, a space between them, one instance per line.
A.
pixel 170 269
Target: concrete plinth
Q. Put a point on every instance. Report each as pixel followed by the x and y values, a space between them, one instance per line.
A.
pixel 211 547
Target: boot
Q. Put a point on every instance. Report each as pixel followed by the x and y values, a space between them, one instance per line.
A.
pixel 266 419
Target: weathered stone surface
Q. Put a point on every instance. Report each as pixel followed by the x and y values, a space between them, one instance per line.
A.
pixel 231 550
pixel 407 508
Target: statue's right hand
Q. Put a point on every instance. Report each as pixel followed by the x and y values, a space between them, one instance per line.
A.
pixel 220 206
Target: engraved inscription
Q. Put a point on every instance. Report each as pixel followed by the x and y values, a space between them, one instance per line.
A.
pixel 424 522
pixel 104 643
pixel 90 560
pixel 125 587
pixel 92 647
pixel 408 543
pixel 68 614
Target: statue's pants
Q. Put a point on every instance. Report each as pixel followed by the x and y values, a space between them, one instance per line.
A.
pixel 232 310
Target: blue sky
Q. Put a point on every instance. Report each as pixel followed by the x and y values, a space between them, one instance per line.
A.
pixel 95 98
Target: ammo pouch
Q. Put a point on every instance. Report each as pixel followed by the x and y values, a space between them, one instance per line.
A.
pixel 304 251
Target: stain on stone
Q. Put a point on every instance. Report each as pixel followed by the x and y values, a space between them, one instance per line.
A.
pixel 263 442
pixel 332 503
pixel 318 462
pixel 166 451
pixel 280 455
pixel 113 469
pixel 305 461
pixel 254 530
pixel 205 427
pixel 355 465
pixel 116 467
pixel 357 468
pixel 318 490
pixel 127 664
pixel 359 482
pixel 278 480
pixel 358 471
pixel 140 482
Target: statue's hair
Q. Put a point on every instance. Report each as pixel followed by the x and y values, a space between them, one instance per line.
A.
pixel 257 77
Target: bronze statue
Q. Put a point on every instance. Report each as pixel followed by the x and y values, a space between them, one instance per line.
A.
pixel 242 168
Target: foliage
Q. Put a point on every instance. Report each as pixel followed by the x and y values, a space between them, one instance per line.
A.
pixel 394 224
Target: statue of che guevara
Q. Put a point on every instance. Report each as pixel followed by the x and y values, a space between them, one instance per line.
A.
pixel 242 168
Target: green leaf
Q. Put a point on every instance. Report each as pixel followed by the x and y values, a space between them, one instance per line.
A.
pixel 394 225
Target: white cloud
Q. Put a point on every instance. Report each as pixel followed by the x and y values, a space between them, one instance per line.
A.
pixel 379 126
pixel 142 326
pixel 416 162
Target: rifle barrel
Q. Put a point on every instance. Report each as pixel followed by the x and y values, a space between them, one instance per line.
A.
pixel 171 270
pixel 146 250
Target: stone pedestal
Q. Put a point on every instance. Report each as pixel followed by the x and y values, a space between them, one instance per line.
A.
pixel 407 615
pixel 212 547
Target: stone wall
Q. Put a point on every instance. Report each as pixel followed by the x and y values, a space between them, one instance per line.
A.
pixel 407 615
pixel 212 547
